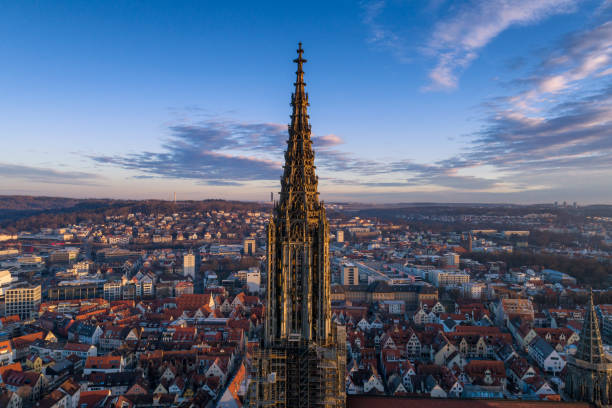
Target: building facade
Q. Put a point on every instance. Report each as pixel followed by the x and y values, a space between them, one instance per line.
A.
pixel 23 301
pixel 302 358
pixel 189 265
pixel 441 278
pixel 349 274
pixel 249 246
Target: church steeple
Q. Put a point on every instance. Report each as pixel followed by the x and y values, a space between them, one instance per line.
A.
pixel 301 349
pixel 299 183
pixel 590 348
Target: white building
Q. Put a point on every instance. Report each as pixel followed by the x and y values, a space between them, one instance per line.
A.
pixel 30 260
pixel 349 274
pixel 189 267
pixel 112 290
pixel 545 355
pixel 474 290
pixel 5 277
pixel 119 239
pixel 7 237
pixel 253 279
pixel 441 278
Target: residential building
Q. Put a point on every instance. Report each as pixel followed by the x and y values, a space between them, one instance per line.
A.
pixel 546 356
pixel 349 274
pixel 441 278
pixel 189 265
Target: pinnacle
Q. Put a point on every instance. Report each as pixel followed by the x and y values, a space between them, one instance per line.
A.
pixel 590 347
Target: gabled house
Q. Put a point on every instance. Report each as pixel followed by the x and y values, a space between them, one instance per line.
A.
pixel 114 337
pixel 546 356
pixel 413 346
pixel 435 381
pixel 396 386
pixel 177 386
pixel 28 384
pixel 10 399
pixel 487 378
pixel 441 349
pixel 519 371
pixel 365 380
pixel 541 388
pixel 422 317
pixel 72 390
pixel 84 332
pixel 54 399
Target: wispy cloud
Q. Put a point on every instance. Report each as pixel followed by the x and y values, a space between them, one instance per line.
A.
pixel 232 153
pixel 214 152
pixel 220 153
pixel 561 121
pixel 556 123
pixel 457 40
pixel 379 33
pixel 579 57
pixel 459 32
pixel 46 175
pixel 571 136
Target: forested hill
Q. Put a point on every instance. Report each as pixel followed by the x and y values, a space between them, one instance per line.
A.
pixel 13 208
pixel 29 212
pixel 31 203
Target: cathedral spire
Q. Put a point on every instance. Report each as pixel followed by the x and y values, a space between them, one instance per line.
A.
pixel 590 347
pixel 299 183
pixel 301 348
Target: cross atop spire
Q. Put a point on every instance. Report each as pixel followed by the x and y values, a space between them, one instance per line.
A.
pixel 299 60
pixel 299 100
pixel 590 348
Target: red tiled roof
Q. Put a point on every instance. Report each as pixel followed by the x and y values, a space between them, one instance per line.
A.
pixel 103 362
pixel 14 367
pixel 24 341
pixel 91 399
pixel 77 347
pixel 10 319
pixel 192 301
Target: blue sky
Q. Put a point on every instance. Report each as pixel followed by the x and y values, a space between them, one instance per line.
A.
pixel 450 101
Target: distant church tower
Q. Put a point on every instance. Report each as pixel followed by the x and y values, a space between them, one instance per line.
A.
pixel 589 374
pixel 466 241
pixel 302 358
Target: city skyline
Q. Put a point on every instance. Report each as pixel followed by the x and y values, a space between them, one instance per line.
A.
pixel 463 102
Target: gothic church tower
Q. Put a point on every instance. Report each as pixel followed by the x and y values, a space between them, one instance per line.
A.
pixel 302 358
